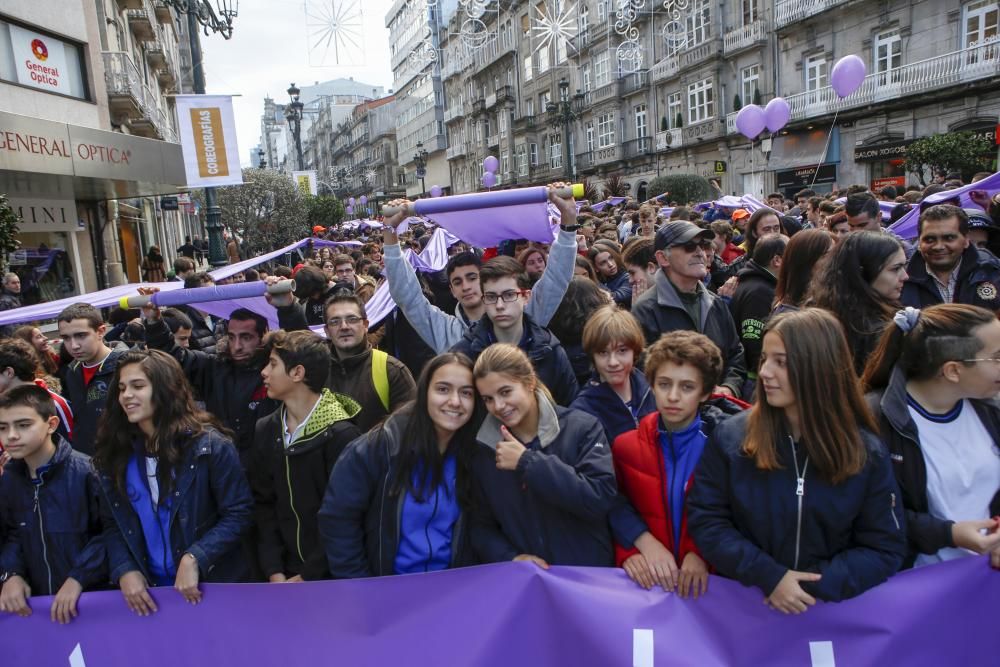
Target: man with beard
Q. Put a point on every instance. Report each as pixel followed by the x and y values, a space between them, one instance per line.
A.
pixel 948 268
pixel 229 383
pixel 679 299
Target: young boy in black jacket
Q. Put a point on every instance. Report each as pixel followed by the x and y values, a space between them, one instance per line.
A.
pixel 295 448
pixel 48 509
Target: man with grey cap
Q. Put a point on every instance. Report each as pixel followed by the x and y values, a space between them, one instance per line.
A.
pixel 679 300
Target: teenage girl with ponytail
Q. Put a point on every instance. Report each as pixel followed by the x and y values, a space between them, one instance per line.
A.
pixel 935 378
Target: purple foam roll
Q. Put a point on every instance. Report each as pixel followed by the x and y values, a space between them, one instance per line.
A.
pixel 481 200
pixel 211 293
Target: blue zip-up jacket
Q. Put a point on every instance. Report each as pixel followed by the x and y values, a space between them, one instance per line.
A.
pixel 55 534
pixel 426 527
pixel 87 401
pixel 748 525
pixel 681 452
pixel 542 347
pixel 619 287
pixel 599 399
pixel 210 511
pixel 360 520
pixel 555 504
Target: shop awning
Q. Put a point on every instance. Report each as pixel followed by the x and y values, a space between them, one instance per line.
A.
pixel 804 149
pixel 46 159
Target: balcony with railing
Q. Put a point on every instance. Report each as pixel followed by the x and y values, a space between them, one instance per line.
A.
pixel 505 93
pixel 493 140
pixel 667 68
pixel 126 94
pixel 701 131
pixel 479 106
pixel 130 4
pixel 789 11
pixel 156 56
pixel 491 100
pixel 700 53
pixel 668 140
pixel 595 34
pixel 455 151
pixel 925 76
pixel 744 37
pixel 162 10
pixel 454 112
pixel 638 147
pixel 143 22
pixel 605 92
pixel 598 156
pixel 731 122
pixel 524 123
pixel 634 83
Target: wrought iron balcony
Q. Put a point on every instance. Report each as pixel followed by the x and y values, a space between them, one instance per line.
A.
pixel 744 37
pixel 790 11
pixel 143 22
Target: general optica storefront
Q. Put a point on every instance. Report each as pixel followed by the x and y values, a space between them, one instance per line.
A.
pixel 73 188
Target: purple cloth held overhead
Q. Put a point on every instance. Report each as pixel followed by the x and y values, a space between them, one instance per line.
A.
pixel 906 227
pixel 484 219
pixel 518 614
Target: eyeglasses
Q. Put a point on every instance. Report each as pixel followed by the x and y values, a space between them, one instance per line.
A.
pixel 350 320
pixel 508 297
pixel 995 360
pixel 692 246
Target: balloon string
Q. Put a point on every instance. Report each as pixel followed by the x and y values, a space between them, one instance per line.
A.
pixel 822 158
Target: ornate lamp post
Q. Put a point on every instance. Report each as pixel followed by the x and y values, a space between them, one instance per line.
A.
pixel 420 160
pixel 293 114
pixel 260 155
pixel 212 19
pixel 563 113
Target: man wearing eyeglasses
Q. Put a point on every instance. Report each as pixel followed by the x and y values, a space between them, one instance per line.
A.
pixel 680 301
pixel 506 293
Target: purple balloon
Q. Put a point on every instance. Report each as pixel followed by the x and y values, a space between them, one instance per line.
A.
pixel 435 191
pixel 847 75
pixel 491 164
pixel 776 114
pixel 489 178
pixel 750 121
pixel 364 200
pixel 350 209
pixel 351 201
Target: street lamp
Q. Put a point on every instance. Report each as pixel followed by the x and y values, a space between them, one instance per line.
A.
pixel 562 114
pixel 260 155
pixel 420 160
pixel 293 114
pixel 217 19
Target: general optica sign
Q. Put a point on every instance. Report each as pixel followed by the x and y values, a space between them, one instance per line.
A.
pixel 39 60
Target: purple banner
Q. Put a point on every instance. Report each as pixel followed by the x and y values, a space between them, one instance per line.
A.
pixel 906 227
pixel 518 614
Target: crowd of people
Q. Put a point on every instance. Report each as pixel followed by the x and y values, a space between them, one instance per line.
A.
pixel 793 397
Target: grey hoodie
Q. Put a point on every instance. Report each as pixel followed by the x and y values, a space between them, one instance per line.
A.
pixel 439 329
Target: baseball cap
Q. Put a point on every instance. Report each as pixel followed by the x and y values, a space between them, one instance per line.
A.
pixel 740 213
pixel 319 229
pixel 679 232
pixel 979 219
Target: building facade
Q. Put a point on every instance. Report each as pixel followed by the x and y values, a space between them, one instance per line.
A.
pixel 90 139
pixel 645 90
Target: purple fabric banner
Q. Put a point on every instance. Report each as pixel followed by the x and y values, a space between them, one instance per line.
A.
pixel 906 227
pixel 518 614
pixel 483 219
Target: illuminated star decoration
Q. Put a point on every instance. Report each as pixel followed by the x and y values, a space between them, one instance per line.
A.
pixel 370 176
pixel 336 25
pixel 553 25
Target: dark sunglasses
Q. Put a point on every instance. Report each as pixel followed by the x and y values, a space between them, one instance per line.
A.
pixel 692 246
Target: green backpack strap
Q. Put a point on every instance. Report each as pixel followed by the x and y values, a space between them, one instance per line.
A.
pixel 380 376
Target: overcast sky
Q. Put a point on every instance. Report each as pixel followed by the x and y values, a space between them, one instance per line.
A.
pixel 270 49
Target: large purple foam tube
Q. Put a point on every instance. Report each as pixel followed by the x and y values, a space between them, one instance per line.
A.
pixel 202 294
pixel 480 200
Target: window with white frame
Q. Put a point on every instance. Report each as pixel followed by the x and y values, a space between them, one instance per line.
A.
pixel 606 130
pixel 543 58
pixel 817 72
pixel 533 154
pixel 528 74
pixel 750 11
pixel 543 101
pixel 888 56
pixel 555 151
pixel 701 101
pixel 699 23
pixel 583 25
pixel 641 128
pixel 521 161
pixel 602 73
pixel 674 110
pixel 981 30
pixel 502 123
pixel 602 11
pixel 529 107
pixel 749 83
pixel 590 136
pixel 504 162
pixel 585 75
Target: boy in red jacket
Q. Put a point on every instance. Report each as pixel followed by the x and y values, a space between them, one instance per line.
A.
pixel 655 464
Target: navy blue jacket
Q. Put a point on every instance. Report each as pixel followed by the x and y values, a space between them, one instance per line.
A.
pixel 746 522
pixel 599 399
pixel 360 519
pixel 53 528
pixel 88 401
pixel 542 347
pixel 619 287
pixel 555 504
pixel 212 509
pixel 978 281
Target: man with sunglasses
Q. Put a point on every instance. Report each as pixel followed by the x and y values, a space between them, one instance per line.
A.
pixel 506 293
pixel 680 301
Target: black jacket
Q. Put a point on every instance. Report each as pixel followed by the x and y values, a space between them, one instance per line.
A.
pixel 599 399
pixel 211 511
pixel 87 402
pixel 751 306
pixel 234 393
pixel 288 485
pixel 659 311
pixel 747 523
pixel 555 504
pixel 927 533
pixel 352 375
pixel 621 290
pixel 202 336
pixel 53 529
pixel 542 347
pixel 360 519
pixel 978 281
